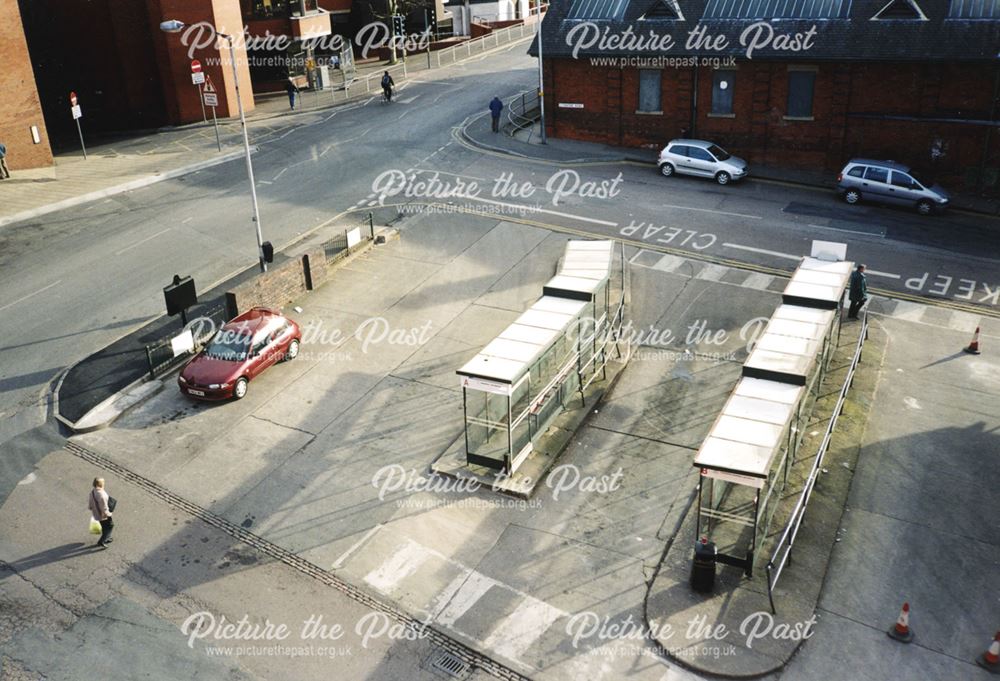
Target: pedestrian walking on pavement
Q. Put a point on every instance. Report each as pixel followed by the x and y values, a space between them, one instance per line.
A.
pixel 496 106
pixel 858 293
pixel 101 505
pixel 292 91
pixel 4 170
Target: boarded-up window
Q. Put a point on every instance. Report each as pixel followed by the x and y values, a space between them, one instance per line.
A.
pixel 800 93
pixel 649 90
pixel 722 92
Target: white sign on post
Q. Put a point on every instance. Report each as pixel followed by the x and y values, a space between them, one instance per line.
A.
pixel 354 237
pixel 182 344
pixel 198 78
pixel 77 111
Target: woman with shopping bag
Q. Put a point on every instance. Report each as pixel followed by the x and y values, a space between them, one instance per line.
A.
pixel 101 506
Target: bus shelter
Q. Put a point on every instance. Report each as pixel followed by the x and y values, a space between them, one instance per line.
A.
pixel 745 458
pixel 744 466
pixel 518 383
pixel 818 283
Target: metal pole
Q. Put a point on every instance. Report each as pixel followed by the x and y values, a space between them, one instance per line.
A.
pixel 246 150
pixel 427 23
pixel 82 145
pixel 541 77
pixel 201 98
pixel 215 121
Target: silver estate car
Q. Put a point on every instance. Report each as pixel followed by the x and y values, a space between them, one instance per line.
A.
pixel 890 183
pixel 701 158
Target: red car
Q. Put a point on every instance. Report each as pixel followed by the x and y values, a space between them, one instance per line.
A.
pixel 242 349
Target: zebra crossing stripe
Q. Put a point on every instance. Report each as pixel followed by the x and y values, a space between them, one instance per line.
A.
pixel 515 634
pixel 397 567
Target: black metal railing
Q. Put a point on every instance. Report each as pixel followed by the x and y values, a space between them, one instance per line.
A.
pixel 161 355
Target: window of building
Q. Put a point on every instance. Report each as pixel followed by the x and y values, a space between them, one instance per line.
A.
pixel 266 9
pixel 649 91
pixel 974 9
pixel 801 85
pixel 722 92
pixel 877 174
pixel 900 10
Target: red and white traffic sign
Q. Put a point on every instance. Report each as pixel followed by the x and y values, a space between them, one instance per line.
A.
pixel 197 75
pixel 209 94
pixel 72 99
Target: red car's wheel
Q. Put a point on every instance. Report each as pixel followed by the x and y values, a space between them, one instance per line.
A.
pixel 240 389
pixel 292 352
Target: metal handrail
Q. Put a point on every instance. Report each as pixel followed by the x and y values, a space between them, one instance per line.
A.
pixel 516 118
pixel 784 545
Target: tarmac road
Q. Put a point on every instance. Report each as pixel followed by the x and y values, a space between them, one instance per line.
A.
pixel 77 279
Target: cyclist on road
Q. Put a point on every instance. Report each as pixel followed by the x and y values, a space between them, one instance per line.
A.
pixel 387 85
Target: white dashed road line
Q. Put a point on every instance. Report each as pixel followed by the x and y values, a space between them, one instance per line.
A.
pixel 30 295
pixel 142 241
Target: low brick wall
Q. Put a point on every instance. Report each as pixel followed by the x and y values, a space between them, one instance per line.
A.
pixel 280 284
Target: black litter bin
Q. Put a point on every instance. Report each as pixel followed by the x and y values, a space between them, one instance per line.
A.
pixel 703 567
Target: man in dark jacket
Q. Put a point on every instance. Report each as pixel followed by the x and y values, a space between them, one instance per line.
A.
pixel 858 293
pixel 292 90
pixel 496 106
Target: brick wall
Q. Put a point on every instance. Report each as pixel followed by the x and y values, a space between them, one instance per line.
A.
pixel 19 104
pixel 850 106
pixel 280 284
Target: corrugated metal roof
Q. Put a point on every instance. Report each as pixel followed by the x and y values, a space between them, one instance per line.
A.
pixel 777 9
pixel 597 9
pixel 974 9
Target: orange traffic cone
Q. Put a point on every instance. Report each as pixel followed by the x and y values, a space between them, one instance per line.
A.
pixel 901 630
pixel 973 348
pixel 991 658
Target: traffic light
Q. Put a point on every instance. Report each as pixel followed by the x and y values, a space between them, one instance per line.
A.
pixel 432 21
pixel 397 25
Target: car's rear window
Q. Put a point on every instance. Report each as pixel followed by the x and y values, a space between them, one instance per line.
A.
pixel 856 171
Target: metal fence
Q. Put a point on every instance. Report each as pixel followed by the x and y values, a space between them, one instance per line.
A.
pixel 782 553
pixel 161 356
pixel 523 112
pixel 344 243
pixel 372 83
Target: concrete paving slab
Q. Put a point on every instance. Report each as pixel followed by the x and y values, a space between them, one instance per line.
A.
pixel 477 325
pixel 522 285
pixel 436 361
pixel 674 403
pixel 846 649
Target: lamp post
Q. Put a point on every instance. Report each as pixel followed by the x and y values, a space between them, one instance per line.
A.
pixel 541 76
pixel 174 26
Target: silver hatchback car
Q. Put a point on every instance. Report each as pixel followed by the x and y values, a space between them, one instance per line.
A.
pixel 890 183
pixel 701 158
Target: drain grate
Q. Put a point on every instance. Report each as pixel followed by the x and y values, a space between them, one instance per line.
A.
pixel 450 664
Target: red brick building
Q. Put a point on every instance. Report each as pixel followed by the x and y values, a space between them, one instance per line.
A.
pixel 22 126
pixel 126 72
pixel 911 80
